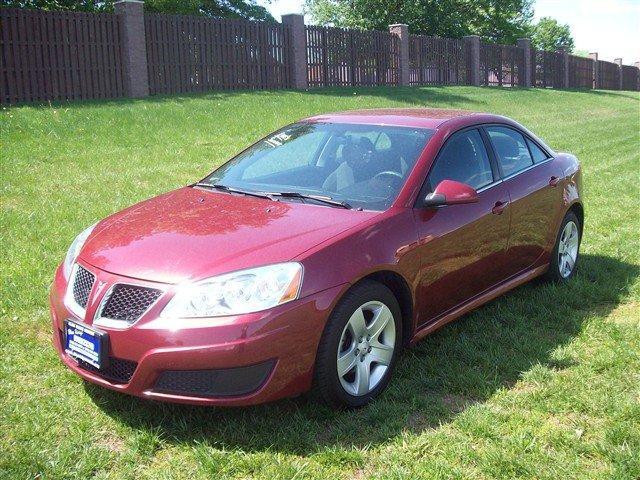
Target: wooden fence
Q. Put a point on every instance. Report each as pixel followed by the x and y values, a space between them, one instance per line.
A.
pixel 548 69
pixel 344 57
pixel 195 54
pixel 436 61
pixel 501 65
pixel 580 72
pixel 69 56
pixel 630 78
pixel 59 56
pixel 609 74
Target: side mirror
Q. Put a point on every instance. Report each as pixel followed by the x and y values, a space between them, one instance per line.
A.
pixel 450 192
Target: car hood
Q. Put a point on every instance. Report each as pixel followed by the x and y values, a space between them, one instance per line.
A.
pixel 191 233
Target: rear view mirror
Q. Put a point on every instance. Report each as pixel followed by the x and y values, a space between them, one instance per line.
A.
pixel 450 192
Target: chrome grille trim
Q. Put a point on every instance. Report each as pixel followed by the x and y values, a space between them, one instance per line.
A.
pixel 70 295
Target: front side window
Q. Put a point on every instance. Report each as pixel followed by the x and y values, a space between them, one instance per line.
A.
pixel 362 165
pixel 463 159
pixel 511 149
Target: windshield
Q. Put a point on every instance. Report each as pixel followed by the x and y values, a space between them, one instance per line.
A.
pixel 363 166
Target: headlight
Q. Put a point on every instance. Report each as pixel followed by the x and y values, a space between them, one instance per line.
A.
pixel 74 250
pixel 244 291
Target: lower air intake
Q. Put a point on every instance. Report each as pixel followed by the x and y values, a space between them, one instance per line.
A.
pixel 224 382
pixel 119 370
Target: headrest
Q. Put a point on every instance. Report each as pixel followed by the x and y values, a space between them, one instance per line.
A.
pixel 506 147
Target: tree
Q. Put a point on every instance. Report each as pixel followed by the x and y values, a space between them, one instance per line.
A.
pixel 248 9
pixel 551 35
pixel 495 20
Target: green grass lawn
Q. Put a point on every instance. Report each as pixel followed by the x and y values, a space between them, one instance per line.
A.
pixel 542 383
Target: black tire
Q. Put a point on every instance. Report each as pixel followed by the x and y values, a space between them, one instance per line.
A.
pixel 554 274
pixel 327 385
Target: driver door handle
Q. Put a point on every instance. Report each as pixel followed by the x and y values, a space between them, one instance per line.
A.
pixel 499 207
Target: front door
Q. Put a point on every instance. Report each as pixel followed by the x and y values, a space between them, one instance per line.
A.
pixel 462 247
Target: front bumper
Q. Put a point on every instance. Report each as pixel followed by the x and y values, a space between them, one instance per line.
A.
pixel 272 353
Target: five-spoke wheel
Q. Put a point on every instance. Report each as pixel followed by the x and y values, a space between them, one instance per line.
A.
pixel 366 348
pixel 566 250
pixel 359 346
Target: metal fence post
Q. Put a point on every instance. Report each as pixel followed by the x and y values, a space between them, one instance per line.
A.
pixel 525 78
pixel 134 47
pixel 401 30
pixel 618 61
pixel 596 69
pixel 299 49
pixel 472 47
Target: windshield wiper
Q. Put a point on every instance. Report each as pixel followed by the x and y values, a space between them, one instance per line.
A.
pixel 225 188
pixel 317 198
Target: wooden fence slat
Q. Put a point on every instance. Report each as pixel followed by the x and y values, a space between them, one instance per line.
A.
pixel 4 97
pixel 17 58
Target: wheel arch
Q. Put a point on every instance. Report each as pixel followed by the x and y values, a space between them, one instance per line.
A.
pixel 401 290
pixel 578 210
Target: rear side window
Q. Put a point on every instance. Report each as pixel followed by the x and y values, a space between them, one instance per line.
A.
pixel 537 153
pixel 463 159
pixel 511 149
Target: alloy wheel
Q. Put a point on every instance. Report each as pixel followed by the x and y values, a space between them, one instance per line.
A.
pixel 366 348
pixel 568 249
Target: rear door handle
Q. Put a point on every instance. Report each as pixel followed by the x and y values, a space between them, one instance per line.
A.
pixel 499 207
pixel 553 181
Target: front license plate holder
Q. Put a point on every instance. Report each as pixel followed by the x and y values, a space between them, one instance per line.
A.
pixel 86 343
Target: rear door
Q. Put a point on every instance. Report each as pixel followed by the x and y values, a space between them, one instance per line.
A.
pixel 462 247
pixel 533 180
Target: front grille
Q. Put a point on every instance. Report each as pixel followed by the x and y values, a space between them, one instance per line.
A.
pixel 118 370
pixel 82 284
pixel 129 302
pixel 223 382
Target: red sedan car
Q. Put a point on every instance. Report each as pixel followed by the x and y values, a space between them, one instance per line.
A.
pixel 312 258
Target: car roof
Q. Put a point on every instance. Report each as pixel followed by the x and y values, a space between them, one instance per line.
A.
pixel 408 117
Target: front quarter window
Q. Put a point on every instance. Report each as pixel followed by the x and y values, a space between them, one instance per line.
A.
pixel 364 166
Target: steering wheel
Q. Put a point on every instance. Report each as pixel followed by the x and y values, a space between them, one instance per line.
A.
pixel 388 173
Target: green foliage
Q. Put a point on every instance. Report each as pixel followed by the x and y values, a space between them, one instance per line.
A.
pixel 66 5
pixel 551 35
pixel 249 9
pixel 580 53
pixel 541 383
pixel 496 20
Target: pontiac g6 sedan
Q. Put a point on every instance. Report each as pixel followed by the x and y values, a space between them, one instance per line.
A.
pixel 312 258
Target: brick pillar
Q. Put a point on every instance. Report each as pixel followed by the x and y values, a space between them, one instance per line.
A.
pixel 401 31
pixel 564 59
pixel 525 76
pixel 299 50
pixel 472 50
pixel 618 61
pixel 134 47
pixel 596 69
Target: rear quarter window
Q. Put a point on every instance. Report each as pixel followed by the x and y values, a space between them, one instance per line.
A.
pixel 537 153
